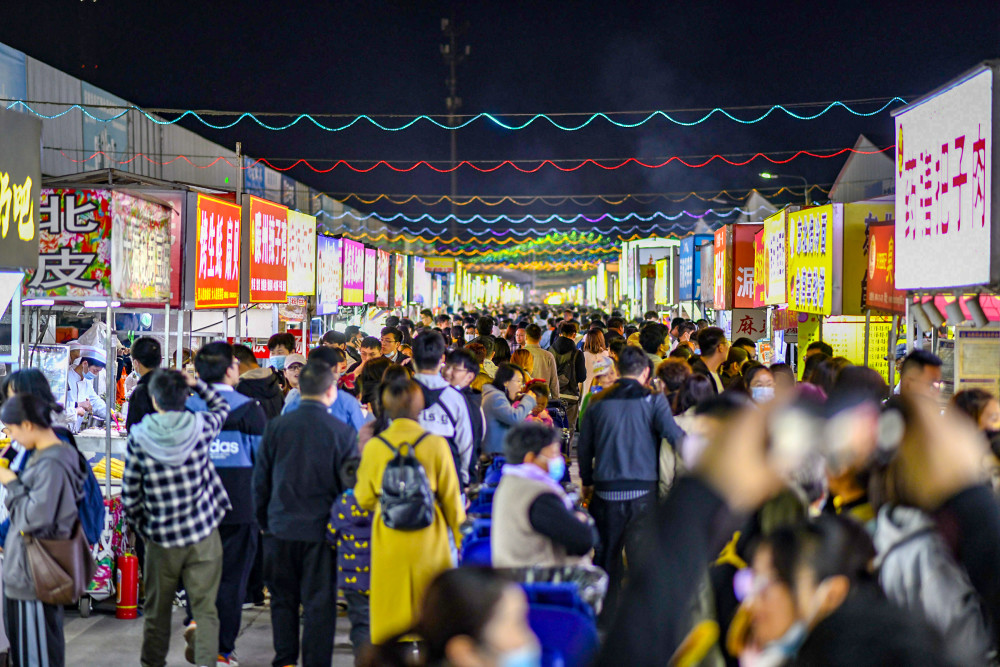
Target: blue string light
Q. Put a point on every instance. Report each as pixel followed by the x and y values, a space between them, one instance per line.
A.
pixel 482 116
pixel 580 217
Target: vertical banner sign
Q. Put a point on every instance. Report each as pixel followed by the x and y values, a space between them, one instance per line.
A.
pixel 421 284
pixel 74 245
pixel 743 264
pixel 13 75
pixel 268 252
pixel 140 249
pixel 707 282
pixel 944 186
pixel 382 279
pixel 20 187
pixel 661 293
pixel 399 281
pixel 287 191
pixel 880 289
pixel 106 139
pixel 776 259
pixel 253 177
pixel 371 273
pixel 329 269
pixel 722 258
pixel 858 216
pixel 354 273
pixel 301 254
pixel 759 270
pixel 810 259
pixel 689 281
pixel 217 264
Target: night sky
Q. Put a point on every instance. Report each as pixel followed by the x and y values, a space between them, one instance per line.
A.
pixel 383 57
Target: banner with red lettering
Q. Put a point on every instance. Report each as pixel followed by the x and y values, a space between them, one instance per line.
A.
pixel 879 287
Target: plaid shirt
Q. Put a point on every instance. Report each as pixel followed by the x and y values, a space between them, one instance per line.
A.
pixel 177 506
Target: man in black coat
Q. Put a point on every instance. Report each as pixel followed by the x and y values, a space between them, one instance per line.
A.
pixel 146 358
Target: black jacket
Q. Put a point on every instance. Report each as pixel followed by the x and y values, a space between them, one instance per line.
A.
pixel 264 385
pixel 297 474
pixel 561 348
pixel 620 438
pixel 139 403
pixel 698 367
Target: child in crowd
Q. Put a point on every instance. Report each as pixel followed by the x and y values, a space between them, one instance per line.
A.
pixel 350 531
pixel 540 390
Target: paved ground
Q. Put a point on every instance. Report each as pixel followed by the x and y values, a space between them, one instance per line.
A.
pixel 103 640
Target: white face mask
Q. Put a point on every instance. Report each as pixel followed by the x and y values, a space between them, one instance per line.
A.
pixel 762 394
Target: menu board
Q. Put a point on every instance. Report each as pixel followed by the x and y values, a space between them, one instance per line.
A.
pixel 354 273
pixel 810 241
pixel 371 271
pixel 382 279
pixel 329 270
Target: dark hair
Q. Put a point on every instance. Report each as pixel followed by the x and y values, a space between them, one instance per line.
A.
pixel 501 352
pixel 334 338
pixel 972 402
pixel 527 438
pixel 783 543
pixel 824 348
pixel 709 340
pixel 401 398
pixel 457 335
pixel 632 362
pixel 286 340
pixel 428 348
pixel 722 406
pixel 370 378
pixel 744 342
pixel 543 314
pixel 681 352
pixel 463 358
pixel 835 545
pixel 169 389
pixel 352 331
pixel 505 373
pixel 147 352
pixel 811 364
pixel 484 326
pixel 489 344
pixel 328 355
pixel 29 408
pixel 918 360
pixel 616 323
pixel 672 373
pixel 392 321
pixel 782 369
pixel 686 326
pixel 533 332
pixel 616 346
pixel 213 361
pixel 427 311
pixel 316 378
pixel 394 332
pixel 370 342
pixel 695 390
pixel 244 354
pixel 736 356
pixel 652 336
pixel 750 371
pixel 30 381
pixel 674 323
pixel 825 374
pixel 651 315
pixel 568 329
pixel 866 383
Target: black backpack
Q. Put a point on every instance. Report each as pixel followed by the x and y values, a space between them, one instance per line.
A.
pixel 407 500
pixel 566 372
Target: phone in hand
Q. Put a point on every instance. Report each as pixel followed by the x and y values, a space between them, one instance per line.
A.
pixel 7 456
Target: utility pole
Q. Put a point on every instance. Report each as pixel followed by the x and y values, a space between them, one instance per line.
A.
pixel 453 56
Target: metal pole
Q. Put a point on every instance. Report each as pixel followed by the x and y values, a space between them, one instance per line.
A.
pixel 239 202
pixel 180 340
pixel 109 399
pixel 868 324
pixel 166 333
pixel 892 351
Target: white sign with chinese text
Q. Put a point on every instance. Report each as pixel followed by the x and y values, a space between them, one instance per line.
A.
pixel 749 322
pixel 944 225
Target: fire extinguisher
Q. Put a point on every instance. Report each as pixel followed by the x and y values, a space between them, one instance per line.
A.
pixel 128 587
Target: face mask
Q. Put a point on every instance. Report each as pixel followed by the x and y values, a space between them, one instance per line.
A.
pixel 89 376
pixel 557 468
pixel 762 394
pixel 526 656
pixel 278 363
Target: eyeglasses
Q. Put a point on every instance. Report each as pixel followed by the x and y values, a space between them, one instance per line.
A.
pixel 389 339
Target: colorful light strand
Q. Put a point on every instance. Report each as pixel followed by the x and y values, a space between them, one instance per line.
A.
pixel 494 119
pixel 392 235
pixel 537 220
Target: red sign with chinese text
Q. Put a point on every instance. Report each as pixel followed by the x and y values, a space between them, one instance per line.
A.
pixel 759 270
pixel 217 263
pixel 744 264
pixel 268 252
pixel 880 291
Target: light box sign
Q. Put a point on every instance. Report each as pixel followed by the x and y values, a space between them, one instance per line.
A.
pixel 776 258
pixel 266 254
pixel 371 274
pixel 140 249
pixel 945 218
pixel 329 269
pixel 722 258
pixel 854 269
pixel 743 264
pixel 689 281
pixel 217 257
pixel 74 245
pixel 20 188
pixel 301 254
pixel 399 281
pixel 661 291
pixel 880 291
pixel 811 259
pixel 382 279
pixel 439 264
pixel 759 270
pixel 707 282
pixel 421 281
pixel 354 273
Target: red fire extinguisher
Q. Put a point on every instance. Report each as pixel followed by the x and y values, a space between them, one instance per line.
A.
pixel 128 587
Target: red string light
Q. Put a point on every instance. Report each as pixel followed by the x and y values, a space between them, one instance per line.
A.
pixel 486 170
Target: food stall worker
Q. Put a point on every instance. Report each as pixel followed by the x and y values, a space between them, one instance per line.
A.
pixel 81 398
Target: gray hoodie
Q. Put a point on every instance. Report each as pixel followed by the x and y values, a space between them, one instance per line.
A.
pixel 169 437
pixel 917 571
pixel 42 501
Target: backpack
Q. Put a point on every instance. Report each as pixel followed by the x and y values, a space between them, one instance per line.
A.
pixel 566 372
pixel 407 501
pixel 91 507
pixel 432 397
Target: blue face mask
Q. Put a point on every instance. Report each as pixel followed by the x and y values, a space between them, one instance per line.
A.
pixel 278 363
pixel 89 376
pixel 557 468
pixel 762 394
pixel 526 656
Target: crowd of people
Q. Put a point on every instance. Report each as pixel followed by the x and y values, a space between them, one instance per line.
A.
pixel 742 515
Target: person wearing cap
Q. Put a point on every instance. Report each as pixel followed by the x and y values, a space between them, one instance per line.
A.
pixel 293 366
pixel 604 376
pixel 81 398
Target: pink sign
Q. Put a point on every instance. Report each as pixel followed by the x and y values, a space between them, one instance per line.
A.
pixel 354 273
pixel 370 274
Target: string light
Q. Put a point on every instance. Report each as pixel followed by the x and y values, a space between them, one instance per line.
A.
pixel 497 164
pixel 534 219
pixel 411 236
pixel 438 240
pixel 413 120
pixel 549 255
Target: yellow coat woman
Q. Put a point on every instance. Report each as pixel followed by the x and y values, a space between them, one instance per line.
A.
pixel 405 562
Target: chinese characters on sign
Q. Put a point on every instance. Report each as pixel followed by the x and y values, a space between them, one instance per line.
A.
pixel 329 268
pixel 775 258
pixel 354 273
pixel 944 182
pixel 268 271
pixel 743 259
pixel 749 322
pixel 382 279
pixel 399 281
pixel 759 270
pixel 880 290
pixel 371 272
pixel 20 187
pixel 301 254
pixel 140 249
pixel 810 259
pixel 217 268
pixel 74 245
pixel 722 258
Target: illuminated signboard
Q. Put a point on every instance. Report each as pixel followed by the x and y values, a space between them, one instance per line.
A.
pixel 217 267
pixel 354 273
pixel 399 281
pixel 301 254
pixel 266 254
pixel 382 279
pixel 20 189
pixel 371 271
pixel 329 269
pixel 810 242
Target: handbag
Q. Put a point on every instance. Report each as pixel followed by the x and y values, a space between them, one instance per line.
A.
pixel 62 569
